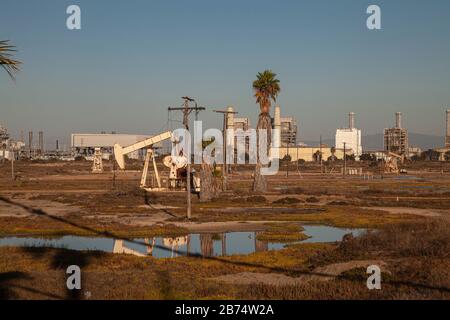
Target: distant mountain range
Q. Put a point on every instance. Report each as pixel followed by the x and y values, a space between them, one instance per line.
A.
pixel 375 141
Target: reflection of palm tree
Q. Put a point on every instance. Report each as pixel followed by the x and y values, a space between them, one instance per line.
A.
pixel 260 246
pixel 150 246
pixel 224 244
pixel 266 88
pixel 206 245
pixel 10 65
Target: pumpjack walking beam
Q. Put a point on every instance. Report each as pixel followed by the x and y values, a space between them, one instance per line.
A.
pixel 120 152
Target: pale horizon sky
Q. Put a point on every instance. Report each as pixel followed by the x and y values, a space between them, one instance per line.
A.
pixel 132 59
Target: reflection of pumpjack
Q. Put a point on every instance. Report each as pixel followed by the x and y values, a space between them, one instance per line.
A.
pixel 175 243
pixel 260 246
pixel 121 249
pixel 177 165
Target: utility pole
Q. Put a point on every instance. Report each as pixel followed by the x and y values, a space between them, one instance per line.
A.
pixel 186 112
pixel 345 161
pixel 12 165
pixel 114 175
pixel 287 162
pixel 225 127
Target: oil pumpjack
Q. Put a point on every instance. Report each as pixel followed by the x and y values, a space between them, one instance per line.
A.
pixel 176 164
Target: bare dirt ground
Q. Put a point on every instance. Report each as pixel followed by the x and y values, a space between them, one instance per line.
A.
pixel 69 189
pixel 414 211
pixel 325 273
pixel 51 207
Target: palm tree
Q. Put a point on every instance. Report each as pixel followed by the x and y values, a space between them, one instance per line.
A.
pixel 266 88
pixel 10 65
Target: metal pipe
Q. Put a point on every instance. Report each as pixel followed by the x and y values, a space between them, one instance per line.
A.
pixel 351 120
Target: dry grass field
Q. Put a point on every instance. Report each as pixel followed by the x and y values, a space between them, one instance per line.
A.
pixel 407 217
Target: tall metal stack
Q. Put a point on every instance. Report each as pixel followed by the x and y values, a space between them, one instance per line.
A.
pixel 447 132
pixel 30 143
pixel 396 139
pixel 351 120
pixel 277 126
pixel 398 120
pixel 41 143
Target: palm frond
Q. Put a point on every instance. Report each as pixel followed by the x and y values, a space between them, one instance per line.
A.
pixel 266 88
pixel 10 65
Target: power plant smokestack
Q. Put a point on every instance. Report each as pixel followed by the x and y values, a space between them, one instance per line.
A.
pixel 351 120
pixel 41 142
pixel 447 134
pixel 230 118
pixel 398 120
pixel 277 126
pixel 30 142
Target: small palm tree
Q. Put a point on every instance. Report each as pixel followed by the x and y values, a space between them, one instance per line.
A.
pixel 266 88
pixel 10 65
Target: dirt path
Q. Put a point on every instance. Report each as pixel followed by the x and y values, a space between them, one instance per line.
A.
pixel 226 226
pixel 319 274
pixel 415 211
pixel 33 192
pixel 51 207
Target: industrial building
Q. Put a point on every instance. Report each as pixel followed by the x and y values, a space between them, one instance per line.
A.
pixel 414 151
pixel 9 148
pixel 309 154
pixel 285 141
pixel 85 143
pixel 447 131
pixel 443 151
pixel 241 123
pixel 396 139
pixel 349 138
pixel 288 132
pixel 4 143
pixel 295 152
pixel 288 129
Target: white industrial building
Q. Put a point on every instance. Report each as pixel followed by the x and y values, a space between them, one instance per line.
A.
pixel 4 143
pixel 85 143
pixel 9 148
pixel 350 136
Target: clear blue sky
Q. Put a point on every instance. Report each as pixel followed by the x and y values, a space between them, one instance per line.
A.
pixel 133 58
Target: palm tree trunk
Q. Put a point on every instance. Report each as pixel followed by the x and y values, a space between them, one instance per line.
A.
pixel 259 180
pixel 209 186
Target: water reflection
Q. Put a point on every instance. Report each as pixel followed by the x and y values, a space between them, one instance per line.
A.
pixel 121 248
pixel 207 245
pixel 260 246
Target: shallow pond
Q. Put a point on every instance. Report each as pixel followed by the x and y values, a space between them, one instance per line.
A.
pixel 216 244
